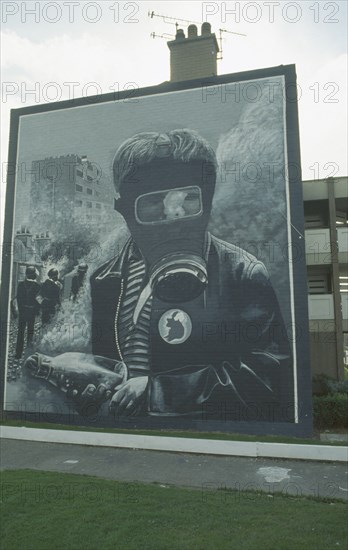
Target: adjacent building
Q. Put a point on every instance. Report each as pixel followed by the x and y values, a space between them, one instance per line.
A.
pixel 326 237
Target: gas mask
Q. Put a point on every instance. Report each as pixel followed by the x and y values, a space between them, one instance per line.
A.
pixel 167 205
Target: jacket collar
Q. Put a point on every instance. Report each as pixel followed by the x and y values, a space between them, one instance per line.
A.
pixel 115 267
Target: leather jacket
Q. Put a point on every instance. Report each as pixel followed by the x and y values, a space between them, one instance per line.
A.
pixel 235 365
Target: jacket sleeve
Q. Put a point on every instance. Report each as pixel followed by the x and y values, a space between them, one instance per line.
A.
pixel 105 296
pixel 21 296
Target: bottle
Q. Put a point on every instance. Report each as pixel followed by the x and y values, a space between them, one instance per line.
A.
pixel 72 372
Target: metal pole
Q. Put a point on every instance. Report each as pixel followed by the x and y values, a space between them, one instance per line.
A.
pixel 335 278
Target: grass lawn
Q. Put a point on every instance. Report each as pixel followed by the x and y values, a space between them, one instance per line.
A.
pixel 44 510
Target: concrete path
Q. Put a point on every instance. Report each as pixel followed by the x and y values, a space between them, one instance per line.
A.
pixel 213 447
pixel 207 473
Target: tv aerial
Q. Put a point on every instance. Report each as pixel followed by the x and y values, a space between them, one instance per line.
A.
pixel 165 35
pixel 177 20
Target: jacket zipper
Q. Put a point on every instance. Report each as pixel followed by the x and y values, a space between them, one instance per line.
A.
pixel 116 321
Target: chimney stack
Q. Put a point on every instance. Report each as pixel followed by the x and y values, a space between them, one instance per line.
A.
pixel 193 56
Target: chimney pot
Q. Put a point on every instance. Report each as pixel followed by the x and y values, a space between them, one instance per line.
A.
pixel 206 29
pixel 191 31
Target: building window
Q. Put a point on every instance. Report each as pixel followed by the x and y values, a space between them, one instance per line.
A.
pixel 89 205
pixel 343 283
pixel 313 220
pixel 341 218
pixel 98 205
pixel 79 173
pixel 345 344
pixel 89 191
pixel 89 178
pixel 319 284
pixel 79 188
pixel 316 214
pixel 78 203
pixel 97 194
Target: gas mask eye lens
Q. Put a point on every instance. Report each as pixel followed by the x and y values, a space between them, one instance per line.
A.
pixel 192 204
pixel 151 208
pixel 171 204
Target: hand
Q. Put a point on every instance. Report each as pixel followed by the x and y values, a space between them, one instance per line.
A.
pixel 130 396
pixel 90 400
pixel 88 380
pixel 78 374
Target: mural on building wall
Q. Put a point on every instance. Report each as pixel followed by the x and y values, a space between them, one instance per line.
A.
pixel 159 280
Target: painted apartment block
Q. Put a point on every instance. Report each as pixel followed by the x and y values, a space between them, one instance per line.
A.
pixel 72 192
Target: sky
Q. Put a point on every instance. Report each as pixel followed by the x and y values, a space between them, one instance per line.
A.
pixel 60 50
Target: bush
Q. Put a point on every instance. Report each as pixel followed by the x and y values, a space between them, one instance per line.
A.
pixel 320 384
pixel 330 411
pixel 324 385
pixel 338 387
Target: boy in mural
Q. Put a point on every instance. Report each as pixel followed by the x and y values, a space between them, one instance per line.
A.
pixel 194 319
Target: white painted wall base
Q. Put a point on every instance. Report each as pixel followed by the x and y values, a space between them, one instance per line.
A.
pixel 179 444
